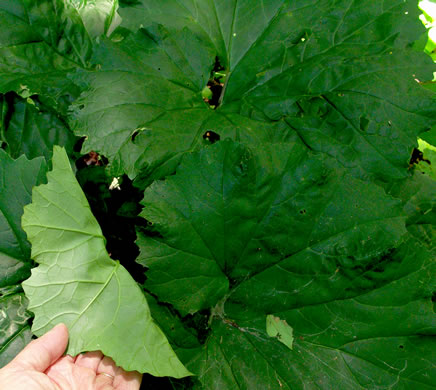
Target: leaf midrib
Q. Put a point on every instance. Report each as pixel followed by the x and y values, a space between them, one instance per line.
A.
pixel 115 268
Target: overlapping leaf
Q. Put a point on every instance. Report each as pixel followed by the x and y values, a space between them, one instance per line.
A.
pixel 244 230
pixel 33 130
pixel 78 284
pixel 99 17
pixel 17 177
pixel 42 41
pixel 15 331
pixel 285 232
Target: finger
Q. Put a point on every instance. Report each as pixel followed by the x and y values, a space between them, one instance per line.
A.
pixel 103 382
pixel 43 352
pixel 108 366
pixel 123 380
pixel 90 360
pixel 68 358
pixel 128 380
pixel 62 367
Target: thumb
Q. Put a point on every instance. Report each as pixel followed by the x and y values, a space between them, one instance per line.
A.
pixel 43 352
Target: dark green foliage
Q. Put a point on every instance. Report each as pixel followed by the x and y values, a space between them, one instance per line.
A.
pixel 268 163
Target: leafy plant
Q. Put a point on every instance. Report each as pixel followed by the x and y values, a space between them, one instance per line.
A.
pixel 429 19
pixel 286 226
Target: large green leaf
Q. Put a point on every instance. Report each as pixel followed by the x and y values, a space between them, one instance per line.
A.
pixel 341 74
pixel 318 95
pixel 77 283
pixel 41 41
pixel 281 231
pixel 241 214
pixel 378 337
pixel 33 130
pixel 17 177
pixel 14 327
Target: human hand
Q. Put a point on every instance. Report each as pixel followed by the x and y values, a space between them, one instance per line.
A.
pixel 41 366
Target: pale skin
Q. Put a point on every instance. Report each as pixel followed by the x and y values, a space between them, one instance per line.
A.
pixel 42 366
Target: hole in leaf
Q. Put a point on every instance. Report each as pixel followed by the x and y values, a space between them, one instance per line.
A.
pixel 214 88
pixel 401 346
pixel 91 159
pixel 135 133
pixel 211 136
pixel 78 145
pixel 417 156
pixel 303 211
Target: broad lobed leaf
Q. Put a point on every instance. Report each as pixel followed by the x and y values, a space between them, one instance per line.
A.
pixel 355 65
pixel 273 221
pixel 301 241
pixel 246 213
pixel 77 283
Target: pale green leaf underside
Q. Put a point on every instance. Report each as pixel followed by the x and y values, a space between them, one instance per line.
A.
pixel 99 16
pixel 78 284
